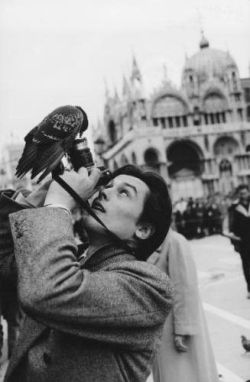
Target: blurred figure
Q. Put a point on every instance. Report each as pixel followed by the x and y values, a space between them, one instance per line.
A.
pixel 240 226
pixel 189 222
pixel 213 218
pixel 9 309
pixel 199 214
pixel 185 353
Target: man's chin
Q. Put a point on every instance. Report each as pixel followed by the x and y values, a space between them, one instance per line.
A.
pixel 91 223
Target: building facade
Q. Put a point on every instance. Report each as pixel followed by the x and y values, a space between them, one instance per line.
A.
pixel 196 136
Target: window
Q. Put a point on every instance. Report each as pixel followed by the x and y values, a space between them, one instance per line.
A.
pixel 240 114
pixel 170 122
pixel 155 121
pixel 248 113
pixel 247 94
pixel 163 124
pixel 177 119
pixel 206 119
pixel 184 119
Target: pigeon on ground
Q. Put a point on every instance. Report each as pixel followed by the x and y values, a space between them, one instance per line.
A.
pixel 48 142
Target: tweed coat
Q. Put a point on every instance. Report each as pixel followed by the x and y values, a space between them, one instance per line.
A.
pixel 186 318
pixel 95 321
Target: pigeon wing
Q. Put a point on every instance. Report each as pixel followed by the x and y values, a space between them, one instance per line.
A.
pixel 27 159
pixel 47 158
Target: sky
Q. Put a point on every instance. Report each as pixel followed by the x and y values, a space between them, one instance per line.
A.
pixel 59 52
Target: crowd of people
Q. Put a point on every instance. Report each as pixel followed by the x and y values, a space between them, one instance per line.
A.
pixel 196 218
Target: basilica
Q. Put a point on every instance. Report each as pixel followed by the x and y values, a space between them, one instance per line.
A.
pixel 196 136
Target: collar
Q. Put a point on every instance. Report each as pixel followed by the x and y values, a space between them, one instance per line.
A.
pixel 95 258
pixel 243 210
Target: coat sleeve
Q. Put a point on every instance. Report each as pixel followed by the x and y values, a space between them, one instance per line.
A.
pixel 183 275
pixel 117 305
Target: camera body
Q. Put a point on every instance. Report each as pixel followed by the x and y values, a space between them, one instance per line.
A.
pixel 81 156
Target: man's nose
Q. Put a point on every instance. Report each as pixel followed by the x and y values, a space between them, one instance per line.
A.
pixel 103 194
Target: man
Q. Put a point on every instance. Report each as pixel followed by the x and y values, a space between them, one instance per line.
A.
pixel 98 317
pixel 241 229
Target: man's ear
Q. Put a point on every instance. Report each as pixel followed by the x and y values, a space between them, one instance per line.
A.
pixel 144 231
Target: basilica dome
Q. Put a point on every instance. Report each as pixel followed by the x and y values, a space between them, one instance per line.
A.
pixel 208 63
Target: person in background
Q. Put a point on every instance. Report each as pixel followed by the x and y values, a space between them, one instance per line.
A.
pixel 240 227
pixel 185 353
pixel 9 307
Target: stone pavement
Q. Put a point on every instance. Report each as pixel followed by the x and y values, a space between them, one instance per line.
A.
pixel 227 309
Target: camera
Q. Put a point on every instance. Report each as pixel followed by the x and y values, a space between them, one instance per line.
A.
pixel 81 156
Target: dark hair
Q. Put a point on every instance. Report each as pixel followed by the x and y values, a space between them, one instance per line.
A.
pixel 242 187
pixel 157 208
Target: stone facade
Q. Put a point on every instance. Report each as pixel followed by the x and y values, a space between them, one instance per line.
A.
pixel 197 136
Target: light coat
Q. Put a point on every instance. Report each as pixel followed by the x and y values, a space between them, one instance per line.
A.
pixel 186 318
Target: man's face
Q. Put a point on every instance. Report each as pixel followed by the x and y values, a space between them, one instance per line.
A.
pixel 244 195
pixel 119 205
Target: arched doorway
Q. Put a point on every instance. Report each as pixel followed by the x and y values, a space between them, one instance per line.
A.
pixel 185 166
pixel 151 159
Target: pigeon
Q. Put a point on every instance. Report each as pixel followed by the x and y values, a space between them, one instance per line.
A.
pixel 245 343
pixel 48 142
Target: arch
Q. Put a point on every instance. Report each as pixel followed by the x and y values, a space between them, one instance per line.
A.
pixel 168 105
pixel 112 132
pixel 151 158
pixel 225 146
pixel 214 101
pixel 185 165
pixel 185 154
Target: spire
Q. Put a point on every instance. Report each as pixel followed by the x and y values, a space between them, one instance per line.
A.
pixel 204 43
pixel 125 87
pixel 106 90
pixel 136 74
pixel 116 96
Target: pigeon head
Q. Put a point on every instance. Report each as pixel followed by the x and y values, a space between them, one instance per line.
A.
pixel 68 119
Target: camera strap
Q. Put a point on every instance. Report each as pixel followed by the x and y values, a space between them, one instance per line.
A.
pixel 85 205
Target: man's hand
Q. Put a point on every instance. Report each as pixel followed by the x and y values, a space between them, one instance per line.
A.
pixel 82 183
pixel 180 343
